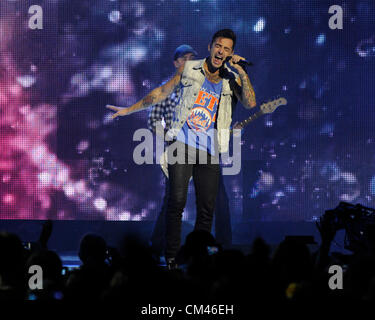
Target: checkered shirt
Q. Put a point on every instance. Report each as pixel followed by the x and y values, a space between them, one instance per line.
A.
pixel 164 110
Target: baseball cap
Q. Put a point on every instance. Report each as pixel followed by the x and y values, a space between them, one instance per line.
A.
pixel 183 49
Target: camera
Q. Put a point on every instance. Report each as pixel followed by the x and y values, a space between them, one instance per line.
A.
pixel 355 219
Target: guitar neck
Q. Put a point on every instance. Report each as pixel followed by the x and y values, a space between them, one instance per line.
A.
pixel 249 119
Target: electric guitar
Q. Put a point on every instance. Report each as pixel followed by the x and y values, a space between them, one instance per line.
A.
pixel 265 108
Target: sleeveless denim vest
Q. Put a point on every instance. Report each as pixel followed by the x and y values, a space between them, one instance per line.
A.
pixel 192 79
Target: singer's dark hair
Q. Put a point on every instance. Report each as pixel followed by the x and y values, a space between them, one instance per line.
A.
pixel 225 33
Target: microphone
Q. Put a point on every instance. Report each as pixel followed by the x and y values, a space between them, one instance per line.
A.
pixel 242 63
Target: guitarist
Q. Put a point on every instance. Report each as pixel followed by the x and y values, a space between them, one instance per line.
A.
pixel 202 87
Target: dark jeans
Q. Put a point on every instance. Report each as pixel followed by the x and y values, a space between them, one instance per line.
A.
pixel 206 181
pixel 223 226
pixel 158 233
pixel 223 229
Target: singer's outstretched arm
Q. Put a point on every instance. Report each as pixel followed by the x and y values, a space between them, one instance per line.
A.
pixel 155 96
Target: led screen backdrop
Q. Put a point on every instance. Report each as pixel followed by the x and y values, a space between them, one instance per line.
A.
pixel 62 157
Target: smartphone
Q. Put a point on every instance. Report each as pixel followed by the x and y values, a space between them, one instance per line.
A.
pixel 212 250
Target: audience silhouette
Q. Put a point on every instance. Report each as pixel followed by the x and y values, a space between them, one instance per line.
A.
pixel 205 272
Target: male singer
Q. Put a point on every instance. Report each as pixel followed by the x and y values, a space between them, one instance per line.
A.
pixel 210 90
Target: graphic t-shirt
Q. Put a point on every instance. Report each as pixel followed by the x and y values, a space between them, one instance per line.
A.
pixel 198 130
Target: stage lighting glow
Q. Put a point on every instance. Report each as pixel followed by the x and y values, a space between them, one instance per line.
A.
pixel 105 72
pixel 350 197
pixel 266 181
pixel 259 26
pixel 372 186
pixel 139 9
pixel 124 216
pixel 137 54
pixel 328 128
pixel 69 190
pixel 366 47
pixel 159 34
pixel 268 123
pixel 114 16
pixel 100 204
pixel 8 198
pixel 82 146
pixel 136 217
pixel 331 171
pixel 320 39
pixel 45 178
pixel 62 175
pixel 349 177
pixel 26 81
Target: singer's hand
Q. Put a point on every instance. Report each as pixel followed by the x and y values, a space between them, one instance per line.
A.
pixel 234 62
pixel 237 125
pixel 120 111
pixel 237 129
